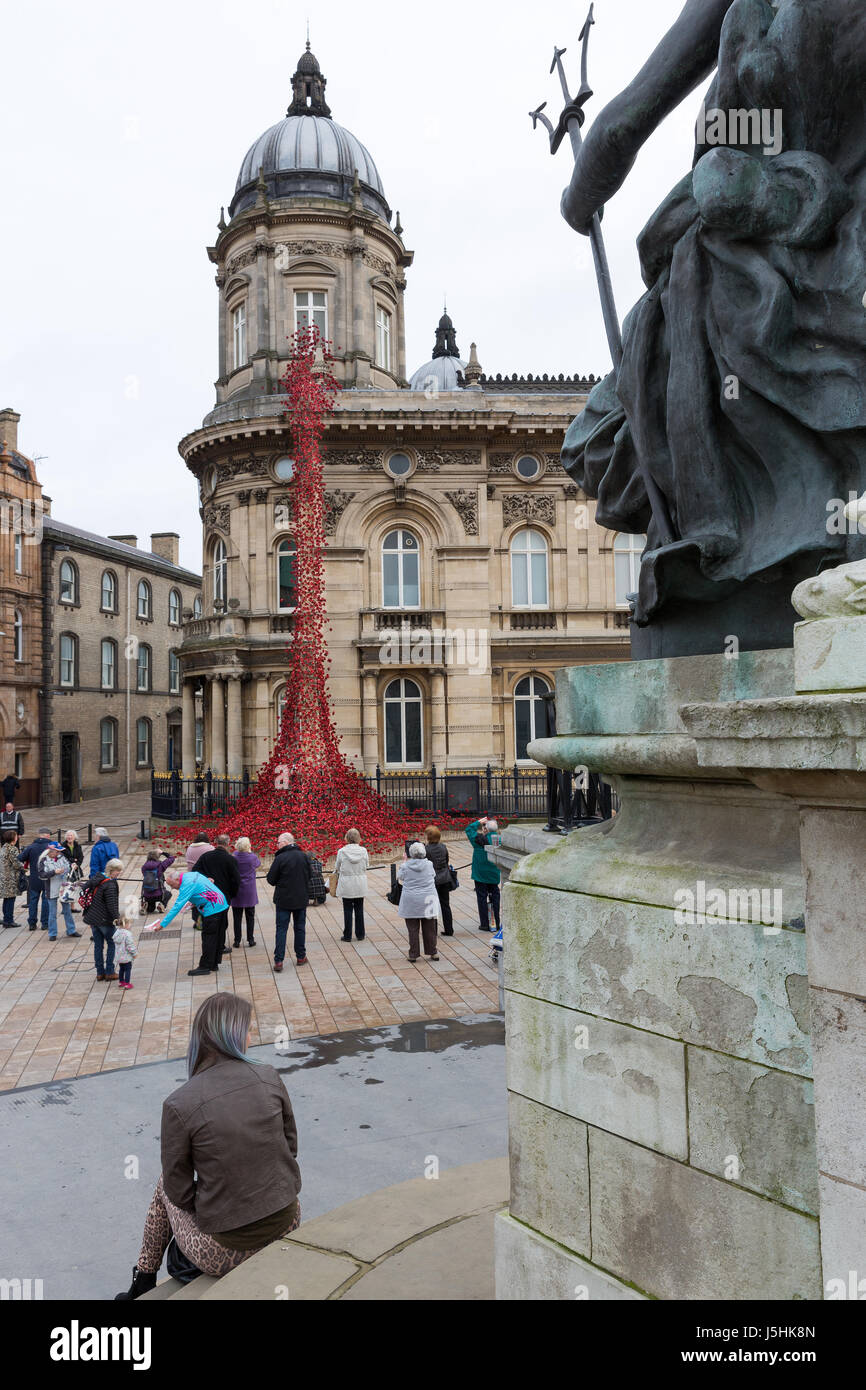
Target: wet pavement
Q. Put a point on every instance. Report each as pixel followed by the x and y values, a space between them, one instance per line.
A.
pixel 374 1106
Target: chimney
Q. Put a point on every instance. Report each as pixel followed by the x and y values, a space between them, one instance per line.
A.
pixel 166 544
pixel 126 540
pixel 9 428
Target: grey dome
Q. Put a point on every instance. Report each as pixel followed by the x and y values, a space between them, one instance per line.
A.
pixel 442 371
pixel 310 155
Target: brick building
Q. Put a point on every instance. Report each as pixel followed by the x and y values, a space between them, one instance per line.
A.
pixel 21 508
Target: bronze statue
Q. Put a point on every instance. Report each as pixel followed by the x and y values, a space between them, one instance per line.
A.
pixel 741 393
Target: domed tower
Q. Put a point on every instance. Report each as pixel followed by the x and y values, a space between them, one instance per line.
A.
pixel 309 240
pixel 443 371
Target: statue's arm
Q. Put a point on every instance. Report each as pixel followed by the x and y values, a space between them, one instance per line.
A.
pixel 684 58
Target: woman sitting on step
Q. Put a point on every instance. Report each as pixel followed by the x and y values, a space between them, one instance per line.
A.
pixel 230 1178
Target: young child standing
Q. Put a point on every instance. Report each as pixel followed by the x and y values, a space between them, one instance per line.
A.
pixel 126 951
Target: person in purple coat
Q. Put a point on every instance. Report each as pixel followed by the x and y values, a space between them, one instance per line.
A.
pixel 246 898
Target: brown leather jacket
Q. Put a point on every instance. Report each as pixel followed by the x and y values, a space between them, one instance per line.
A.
pixel 229 1145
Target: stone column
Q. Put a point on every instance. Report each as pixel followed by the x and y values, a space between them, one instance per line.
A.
pixel 438 745
pixel 369 720
pixel 235 729
pixel 188 735
pixel 217 727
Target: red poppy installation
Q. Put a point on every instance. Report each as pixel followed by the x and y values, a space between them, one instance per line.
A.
pixel 307 786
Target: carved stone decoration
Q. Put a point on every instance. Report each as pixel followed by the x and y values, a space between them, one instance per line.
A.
pixel 552 460
pixel 336 503
pixel 244 497
pixel 571 492
pixel 255 467
pixel 465 503
pixel 217 517
pixel 491 492
pixel 261 494
pixel 524 506
pixel 368 460
pixel 245 258
pixel 499 463
pixel 431 460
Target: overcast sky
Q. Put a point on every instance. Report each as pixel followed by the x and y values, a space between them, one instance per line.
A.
pixel 122 131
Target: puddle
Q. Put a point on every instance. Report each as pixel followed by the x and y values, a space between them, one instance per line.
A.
pixel 418 1036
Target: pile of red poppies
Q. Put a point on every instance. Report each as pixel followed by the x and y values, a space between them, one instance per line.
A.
pixel 307 786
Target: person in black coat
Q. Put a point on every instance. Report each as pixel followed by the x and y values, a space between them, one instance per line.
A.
pixel 10 787
pixel 438 856
pixel 221 867
pixel 29 857
pixel 290 877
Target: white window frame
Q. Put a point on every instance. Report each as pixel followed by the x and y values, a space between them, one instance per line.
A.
pixel 196 606
pixel 173 672
pixel 305 309
pixel 144 609
pixel 400 551
pixel 110 646
pixel 239 336
pixel 383 338
pixel 199 740
pixel 143 722
pixel 628 548
pixel 18 635
pixel 220 572
pixel 67 681
pixel 146 651
pixel 110 726
pixel 291 549
pixel 533 700
pixel 72 583
pixel 403 700
pixel 522 550
pixel 174 607
pixel 112 581
pixel 18 549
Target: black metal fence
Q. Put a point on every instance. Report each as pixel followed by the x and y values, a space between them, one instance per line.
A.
pixel 517 792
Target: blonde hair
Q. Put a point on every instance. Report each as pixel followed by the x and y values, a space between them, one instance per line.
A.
pixel 113 865
pixel 243 844
pixel 434 834
pixel 353 837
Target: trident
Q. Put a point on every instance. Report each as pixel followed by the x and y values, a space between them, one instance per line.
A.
pixel 570 123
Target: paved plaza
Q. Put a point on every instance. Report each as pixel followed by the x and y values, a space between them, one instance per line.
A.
pixel 58 1022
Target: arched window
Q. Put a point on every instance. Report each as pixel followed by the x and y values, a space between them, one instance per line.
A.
pixel 173 673
pixel 68 660
pixel 403 724
pixel 18 635
pixel 144 608
pixel 109 664
pixel 142 742
pixel 143 667
pixel 68 582
pixel 174 607
pixel 286 578
pixel 196 606
pixel 108 743
pixel 401 571
pixel 627 551
pixel 529 570
pixel 529 714
pixel 220 572
pixel 108 593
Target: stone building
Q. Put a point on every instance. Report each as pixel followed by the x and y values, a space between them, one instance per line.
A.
pixel 462 566
pixel 21 506
pixel 110 665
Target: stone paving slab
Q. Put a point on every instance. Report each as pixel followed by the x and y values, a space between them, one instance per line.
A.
pixel 58 1022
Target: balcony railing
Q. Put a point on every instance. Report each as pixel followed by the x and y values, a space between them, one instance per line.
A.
pixel 532 620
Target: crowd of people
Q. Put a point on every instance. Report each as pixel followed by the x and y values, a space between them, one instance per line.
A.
pixel 217 880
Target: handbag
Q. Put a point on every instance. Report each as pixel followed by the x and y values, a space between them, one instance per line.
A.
pixel 455 882
pixel 23 885
pixel 178 1266
pixel 393 895
pixel 332 886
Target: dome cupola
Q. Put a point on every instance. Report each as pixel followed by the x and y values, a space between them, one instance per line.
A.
pixel 307 154
pixel 442 372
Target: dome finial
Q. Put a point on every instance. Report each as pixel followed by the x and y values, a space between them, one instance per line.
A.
pixel 308 86
pixel 446 340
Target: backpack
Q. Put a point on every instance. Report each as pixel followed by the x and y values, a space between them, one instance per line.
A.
pixel 88 893
pixel 151 884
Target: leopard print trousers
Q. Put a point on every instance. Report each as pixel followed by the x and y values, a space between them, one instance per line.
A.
pixel 165 1220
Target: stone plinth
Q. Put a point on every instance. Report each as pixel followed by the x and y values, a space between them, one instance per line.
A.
pixel 662 1132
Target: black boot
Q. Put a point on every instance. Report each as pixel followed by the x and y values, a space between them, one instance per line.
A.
pixel 141 1283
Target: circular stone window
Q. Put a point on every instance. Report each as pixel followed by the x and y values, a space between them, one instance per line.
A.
pixel 528 467
pixel 284 469
pixel 399 465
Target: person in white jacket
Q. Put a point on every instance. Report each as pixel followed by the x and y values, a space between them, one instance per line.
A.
pixel 418 901
pixel 351 867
